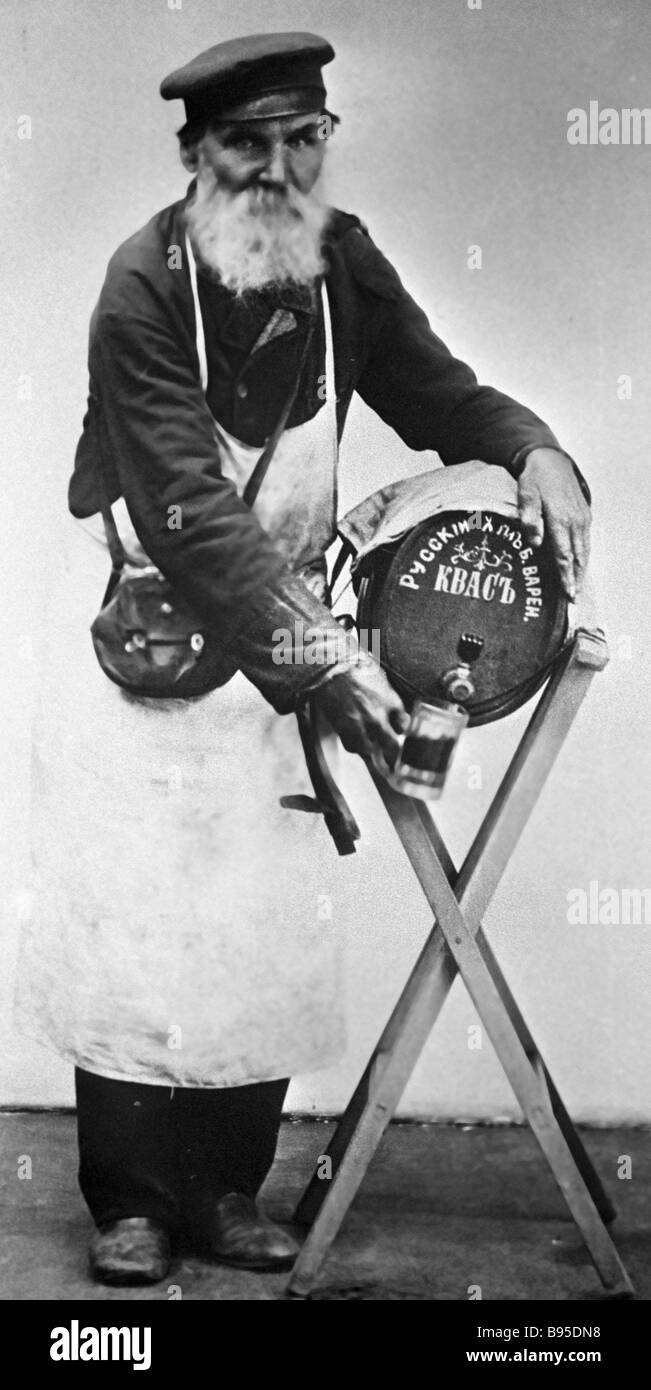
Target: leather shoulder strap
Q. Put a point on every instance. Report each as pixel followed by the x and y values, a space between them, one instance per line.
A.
pixel 259 472
pixel 116 549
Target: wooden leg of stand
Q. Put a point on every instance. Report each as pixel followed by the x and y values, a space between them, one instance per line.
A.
pixel 528 1081
pixel 380 1088
pixel 573 1140
pixel 527 773
pixel 378 1093
pixel 431 979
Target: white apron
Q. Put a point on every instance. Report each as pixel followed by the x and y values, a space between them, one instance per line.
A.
pixel 183 930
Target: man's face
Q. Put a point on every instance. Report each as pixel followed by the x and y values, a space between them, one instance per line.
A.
pixel 279 153
pixel 256 217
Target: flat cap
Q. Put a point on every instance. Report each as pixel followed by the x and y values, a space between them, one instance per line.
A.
pixel 253 77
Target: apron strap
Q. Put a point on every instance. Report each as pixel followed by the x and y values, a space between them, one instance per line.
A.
pixel 330 389
pixel 198 317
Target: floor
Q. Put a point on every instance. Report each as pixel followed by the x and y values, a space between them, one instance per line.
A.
pixel 443 1209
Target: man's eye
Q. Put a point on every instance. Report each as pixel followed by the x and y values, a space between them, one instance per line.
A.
pixel 244 144
pixel 298 142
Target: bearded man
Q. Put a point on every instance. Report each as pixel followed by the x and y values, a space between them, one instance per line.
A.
pixel 177 956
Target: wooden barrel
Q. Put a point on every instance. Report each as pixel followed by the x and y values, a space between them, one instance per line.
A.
pixel 463 608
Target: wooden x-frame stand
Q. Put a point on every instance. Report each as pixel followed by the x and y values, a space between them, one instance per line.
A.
pixel 457 943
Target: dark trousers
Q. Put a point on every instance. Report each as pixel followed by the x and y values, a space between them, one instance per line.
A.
pixel 170 1154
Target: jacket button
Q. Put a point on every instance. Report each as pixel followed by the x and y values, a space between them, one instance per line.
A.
pixel 242 390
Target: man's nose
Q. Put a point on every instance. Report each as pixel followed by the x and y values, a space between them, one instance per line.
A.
pixel 275 168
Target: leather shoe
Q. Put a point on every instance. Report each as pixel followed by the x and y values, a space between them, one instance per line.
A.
pixel 236 1233
pixel 133 1250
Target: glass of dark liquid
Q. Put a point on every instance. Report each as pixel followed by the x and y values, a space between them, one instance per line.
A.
pixel 427 749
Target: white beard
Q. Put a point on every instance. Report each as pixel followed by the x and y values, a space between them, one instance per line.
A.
pixel 259 237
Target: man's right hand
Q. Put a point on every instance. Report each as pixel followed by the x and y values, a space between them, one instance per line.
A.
pixel 364 710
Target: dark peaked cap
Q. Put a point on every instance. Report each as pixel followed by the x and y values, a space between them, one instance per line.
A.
pixel 252 78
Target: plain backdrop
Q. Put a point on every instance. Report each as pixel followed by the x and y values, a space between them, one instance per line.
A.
pixel 453 135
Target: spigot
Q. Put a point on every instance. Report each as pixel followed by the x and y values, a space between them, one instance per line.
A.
pixel 457 682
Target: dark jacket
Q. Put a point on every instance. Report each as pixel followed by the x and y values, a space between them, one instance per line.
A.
pixel 151 425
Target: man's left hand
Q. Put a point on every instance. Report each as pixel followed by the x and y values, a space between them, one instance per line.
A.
pixel 549 498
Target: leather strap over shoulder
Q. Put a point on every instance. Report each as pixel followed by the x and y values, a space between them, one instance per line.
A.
pixel 259 472
pixel 116 549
